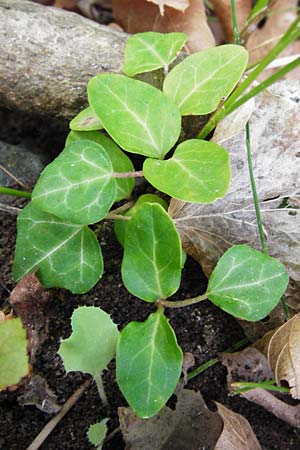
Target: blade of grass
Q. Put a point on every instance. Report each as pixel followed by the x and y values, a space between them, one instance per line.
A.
pixel 247 386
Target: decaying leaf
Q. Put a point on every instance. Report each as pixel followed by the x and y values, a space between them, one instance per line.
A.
pixel 137 16
pixel 223 10
pixel 180 5
pixel 207 231
pixel 183 427
pixel 284 355
pixel 29 300
pixel 237 434
pixel 38 393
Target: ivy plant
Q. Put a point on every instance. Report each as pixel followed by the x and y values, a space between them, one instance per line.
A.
pixel 94 171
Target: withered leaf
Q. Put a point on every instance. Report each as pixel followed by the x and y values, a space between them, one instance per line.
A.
pixel 237 434
pixel 29 299
pixel 180 5
pixel 284 355
pixel 136 16
pixel 38 393
pixel 207 231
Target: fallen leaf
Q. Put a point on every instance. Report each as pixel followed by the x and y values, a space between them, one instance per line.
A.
pixel 180 5
pixel 29 300
pixel 183 427
pixel 136 16
pixel 38 393
pixel 222 9
pixel 284 355
pixel 237 434
pixel 207 231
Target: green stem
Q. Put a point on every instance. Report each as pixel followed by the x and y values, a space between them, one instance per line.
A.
pixel 15 192
pixel 235 27
pixel 100 387
pixel 214 361
pixel 247 386
pixel 182 303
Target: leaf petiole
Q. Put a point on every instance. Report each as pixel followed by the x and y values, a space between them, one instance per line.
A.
pixel 16 192
pixel 182 303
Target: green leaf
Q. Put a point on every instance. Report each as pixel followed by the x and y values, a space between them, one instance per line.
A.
pixel 121 225
pixel 198 84
pixel 97 433
pixel 151 266
pixel 149 51
pixel 120 162
pixel 93 342
pixel 14 363
pixel 139 117
pixel 66 255
pixel 199 171
pixel 78 185
pixel 149 363
pixel 247 283
pixel 86 120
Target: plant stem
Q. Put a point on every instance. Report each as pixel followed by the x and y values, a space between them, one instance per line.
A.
pixel 246 386
pixel 214 361
pixel 15 192
pixel 100 387
pixel 182 303
pixel 136 174
pixel 235 27
pixel 117 213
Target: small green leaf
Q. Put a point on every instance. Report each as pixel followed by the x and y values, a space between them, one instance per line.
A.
pixel 151 267
pixel 129 112
pixel 78 185
pixel 93 342
pixel 149 363
pixel 247 283
pixel 86 120
pixel 121 225
pixel 97 433
pixel 14 363
pixel 198 84
pixel 149 51
pixel 118 159
pixel 66 255
pixel 199 171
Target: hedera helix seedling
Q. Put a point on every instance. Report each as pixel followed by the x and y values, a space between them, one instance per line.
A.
pixel 81 185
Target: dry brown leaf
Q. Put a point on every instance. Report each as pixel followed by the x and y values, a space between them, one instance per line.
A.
pixel 284 354
pixel 29 299
pixel 37 393
pixel 223 10
pixel 207 231
pixel 248 365
pixel 237 433
pixel 179 5
pixel 136 16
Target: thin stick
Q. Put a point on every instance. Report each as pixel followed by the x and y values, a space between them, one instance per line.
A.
pixel 136 174
pixel 13 177
pixel 10 209
pixel 182 303
pixel 47 430
pixel 113 433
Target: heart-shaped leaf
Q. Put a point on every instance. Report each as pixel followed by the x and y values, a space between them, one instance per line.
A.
pixel 149 363
pixel 86 120
pixel 120 162
pixel 93 342
pixel 97 433
pixel 128 110
pixel 247 283
pixel 198 84
pixel 198 171
pixel 78 185
pixel 151 266
pixel 66 255
pixel 14 361
pixel 149 51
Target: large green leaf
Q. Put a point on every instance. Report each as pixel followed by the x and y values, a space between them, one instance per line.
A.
pixel 151 267
pixel 78 185
pixel 66 255
pixel 247 283
pixel 199 171
pixel 93 342
pixel 149 363
pixel 121 225
pixel 139 117
pixel 14 362
pixel 199 83
pixel 86 120
pixel 149 51
pixel 118 159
